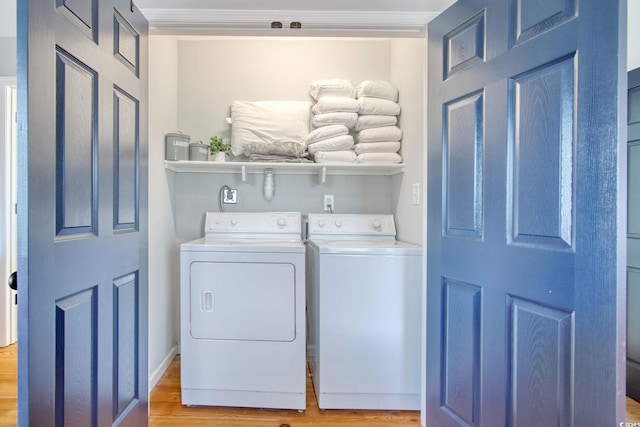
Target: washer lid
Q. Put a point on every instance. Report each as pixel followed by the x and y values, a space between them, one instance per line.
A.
pixel 365 247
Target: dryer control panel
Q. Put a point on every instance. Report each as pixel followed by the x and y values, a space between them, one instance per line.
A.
pixel 254 223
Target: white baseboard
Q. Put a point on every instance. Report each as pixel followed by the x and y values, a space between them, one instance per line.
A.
pixel 155 376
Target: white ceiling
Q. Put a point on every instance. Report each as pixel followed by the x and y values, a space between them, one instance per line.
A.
pixel 318 5
pixel 404 18
pixel 176 12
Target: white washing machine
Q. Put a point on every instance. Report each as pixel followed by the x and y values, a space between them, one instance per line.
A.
pixel 242 302
pixel 364 312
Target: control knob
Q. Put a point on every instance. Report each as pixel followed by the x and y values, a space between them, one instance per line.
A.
pixel 282 222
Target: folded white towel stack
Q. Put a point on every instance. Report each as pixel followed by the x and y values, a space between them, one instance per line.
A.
pixel 377 135
pixel 335 112
pixel 354 125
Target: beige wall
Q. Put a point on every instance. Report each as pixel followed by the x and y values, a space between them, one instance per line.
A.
pixel 213 73
pixel 8 38
pixel 164 279
pixel 8 56
pixel 408 59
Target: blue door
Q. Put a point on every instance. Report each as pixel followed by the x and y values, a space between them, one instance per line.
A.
pixel 633 236
pixel 526 208
pixel 82 207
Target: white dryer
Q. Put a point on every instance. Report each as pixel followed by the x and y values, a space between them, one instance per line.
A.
pixel 242 302
pixel 364 290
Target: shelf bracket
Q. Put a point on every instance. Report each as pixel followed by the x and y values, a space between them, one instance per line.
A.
pixel 244 173
pixel 322 176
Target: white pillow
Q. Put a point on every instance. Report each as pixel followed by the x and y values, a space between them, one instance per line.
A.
pixel 268 122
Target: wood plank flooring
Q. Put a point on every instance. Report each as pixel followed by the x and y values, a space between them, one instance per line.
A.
pixel 8 385
pixel 166 409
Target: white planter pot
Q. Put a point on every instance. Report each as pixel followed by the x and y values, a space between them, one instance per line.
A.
pixel 219 157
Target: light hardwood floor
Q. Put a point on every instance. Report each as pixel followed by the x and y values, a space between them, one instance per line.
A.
pixel 166 409
pixel 8 385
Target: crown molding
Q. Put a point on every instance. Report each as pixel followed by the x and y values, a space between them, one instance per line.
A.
pixel 258 22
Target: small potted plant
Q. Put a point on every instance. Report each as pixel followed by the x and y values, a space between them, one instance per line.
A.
pixel 219 148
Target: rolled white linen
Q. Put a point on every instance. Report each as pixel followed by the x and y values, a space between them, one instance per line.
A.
pixel 332 87
pixel 346 156
pixel 335 104
pixel 383 134
pixel 377 89
pixel 278 159
pixel 377 147
pixel 374 121
pixel 280 148
pixel 378 106
pixel 325 132
pixel 386 158
pixel 347 119
pixel 337 143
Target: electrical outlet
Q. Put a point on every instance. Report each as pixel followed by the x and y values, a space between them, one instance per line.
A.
pixel 328 203
pixel 230 196
pixel 416 193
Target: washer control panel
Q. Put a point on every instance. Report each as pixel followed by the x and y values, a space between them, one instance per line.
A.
pixel 351 224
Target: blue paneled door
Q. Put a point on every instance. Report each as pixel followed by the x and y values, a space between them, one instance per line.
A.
pixel 633 236
pixel 82 94
pixel 526 207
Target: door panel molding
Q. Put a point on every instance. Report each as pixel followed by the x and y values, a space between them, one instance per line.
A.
pixel 463 146
pixel 462 325
pixel 541 156
pixel 77 359
pixel 540 359
pixel 77 150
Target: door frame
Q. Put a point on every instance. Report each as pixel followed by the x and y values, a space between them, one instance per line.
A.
pixel 8 232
